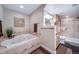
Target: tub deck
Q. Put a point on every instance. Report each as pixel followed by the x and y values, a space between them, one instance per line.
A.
pixel 21 49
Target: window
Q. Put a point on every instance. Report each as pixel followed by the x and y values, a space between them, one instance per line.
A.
pixel 48 20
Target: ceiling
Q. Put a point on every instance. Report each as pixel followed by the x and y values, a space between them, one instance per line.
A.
pixel 28 8
pixel 63 9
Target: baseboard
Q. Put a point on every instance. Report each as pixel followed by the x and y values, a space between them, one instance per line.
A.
pixel 43 46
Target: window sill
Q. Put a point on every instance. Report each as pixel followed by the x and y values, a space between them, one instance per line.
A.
pixel 47 28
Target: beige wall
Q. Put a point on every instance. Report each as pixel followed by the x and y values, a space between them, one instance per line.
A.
pixel 9 20
pixel 1 12
pixel 36 17
pixel 47 37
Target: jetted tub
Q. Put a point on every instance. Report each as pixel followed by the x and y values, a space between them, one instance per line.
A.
pixel 20 43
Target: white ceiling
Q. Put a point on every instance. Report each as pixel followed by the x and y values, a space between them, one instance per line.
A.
pixel 63 9
pixel 28 8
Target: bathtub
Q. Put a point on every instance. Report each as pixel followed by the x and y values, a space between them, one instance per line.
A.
pixel 20 43
pixel 71 41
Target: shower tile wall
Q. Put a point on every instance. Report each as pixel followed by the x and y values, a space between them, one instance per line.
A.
pixel 70 27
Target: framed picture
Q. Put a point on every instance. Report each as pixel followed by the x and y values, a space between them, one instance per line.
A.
pixel 19 22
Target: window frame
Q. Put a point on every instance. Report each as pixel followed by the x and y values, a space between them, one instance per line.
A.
pixel 44 20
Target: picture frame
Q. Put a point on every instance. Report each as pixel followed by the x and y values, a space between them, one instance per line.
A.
pixel 19 22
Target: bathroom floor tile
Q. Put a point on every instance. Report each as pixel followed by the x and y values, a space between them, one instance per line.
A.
pixel 63 50
pixel 40 50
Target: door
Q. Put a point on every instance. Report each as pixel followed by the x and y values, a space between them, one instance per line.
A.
pixel 35 27
pixel 1 34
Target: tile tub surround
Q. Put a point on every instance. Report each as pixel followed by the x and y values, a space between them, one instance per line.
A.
pixel 35 50
pixel 20 46
pixel 2 39
pixel 39 50
pixel 22 49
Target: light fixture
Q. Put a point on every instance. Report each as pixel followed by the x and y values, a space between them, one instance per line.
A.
pixel 21 6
